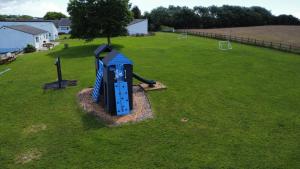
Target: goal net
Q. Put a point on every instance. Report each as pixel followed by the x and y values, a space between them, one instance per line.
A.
pixel 225 45
pixel 183 35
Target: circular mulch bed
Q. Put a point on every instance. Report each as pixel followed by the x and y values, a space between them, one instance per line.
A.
pixel 141 107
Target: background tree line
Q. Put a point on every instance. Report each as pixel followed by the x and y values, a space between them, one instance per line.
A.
pixel 48 16
pixel 54 16
pixel 15 17
pixel 215 17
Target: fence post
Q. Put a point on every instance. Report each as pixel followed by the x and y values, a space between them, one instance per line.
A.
pixel 255 41
pixel 280 46
pixel 271 44
pixel 263 43
pixel 290 47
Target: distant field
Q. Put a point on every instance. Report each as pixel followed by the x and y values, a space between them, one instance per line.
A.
pixel 286 34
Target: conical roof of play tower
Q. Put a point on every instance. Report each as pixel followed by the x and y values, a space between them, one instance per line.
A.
pixel 115 58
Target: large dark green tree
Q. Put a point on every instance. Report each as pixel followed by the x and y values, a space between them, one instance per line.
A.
pixel 286 20
pixel 158 17
pixel 215 17
pixel 2 18
pixel 95 18
pixel 54 16
pixel 136 12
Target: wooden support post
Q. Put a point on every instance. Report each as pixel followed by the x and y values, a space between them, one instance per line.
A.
pixel 280 45
pixel 59 76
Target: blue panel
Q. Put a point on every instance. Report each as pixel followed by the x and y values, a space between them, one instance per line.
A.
pixel 121 92
pixel 122 101
pixel 120 59
pixel 98 84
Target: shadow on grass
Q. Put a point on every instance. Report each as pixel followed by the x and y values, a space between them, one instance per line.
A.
pixel 91 122
pixel 79 51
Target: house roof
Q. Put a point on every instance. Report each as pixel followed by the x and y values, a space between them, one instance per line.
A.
pixel 34 20
pixel 64 22
pixel 27 29
pixel 135 21
pixel 114 58
pixel 56 22
pixel 8 50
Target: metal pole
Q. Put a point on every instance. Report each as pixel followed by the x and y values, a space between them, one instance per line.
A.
pixel 59 76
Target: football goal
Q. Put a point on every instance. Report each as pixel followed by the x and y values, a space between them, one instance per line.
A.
pixel 183 35
pixel 225 45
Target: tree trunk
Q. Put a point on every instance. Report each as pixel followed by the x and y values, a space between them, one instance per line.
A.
pixel 108 40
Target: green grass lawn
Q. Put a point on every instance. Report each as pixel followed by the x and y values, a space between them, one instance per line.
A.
pixel 243 108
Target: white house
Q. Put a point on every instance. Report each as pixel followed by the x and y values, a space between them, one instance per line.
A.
pixel 64 25
pixel 19 36
pixel 138 26
pixel 44 25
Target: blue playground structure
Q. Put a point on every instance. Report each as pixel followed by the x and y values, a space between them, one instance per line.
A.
pixel 114 80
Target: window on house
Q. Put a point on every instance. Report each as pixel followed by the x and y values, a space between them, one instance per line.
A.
pixel 64 28
pixel 37 39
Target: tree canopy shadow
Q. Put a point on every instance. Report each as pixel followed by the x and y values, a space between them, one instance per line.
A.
pixel 79 51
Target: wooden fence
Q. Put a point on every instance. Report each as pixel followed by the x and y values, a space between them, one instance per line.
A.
pixel 288 47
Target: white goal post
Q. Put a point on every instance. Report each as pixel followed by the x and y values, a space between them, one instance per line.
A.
pixel 225 45
pixel 183 35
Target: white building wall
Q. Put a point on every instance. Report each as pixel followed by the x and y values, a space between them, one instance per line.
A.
pixel 40 39
pixel 47 26
pixel 138 28
pixel 64 29
pixel 15 39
